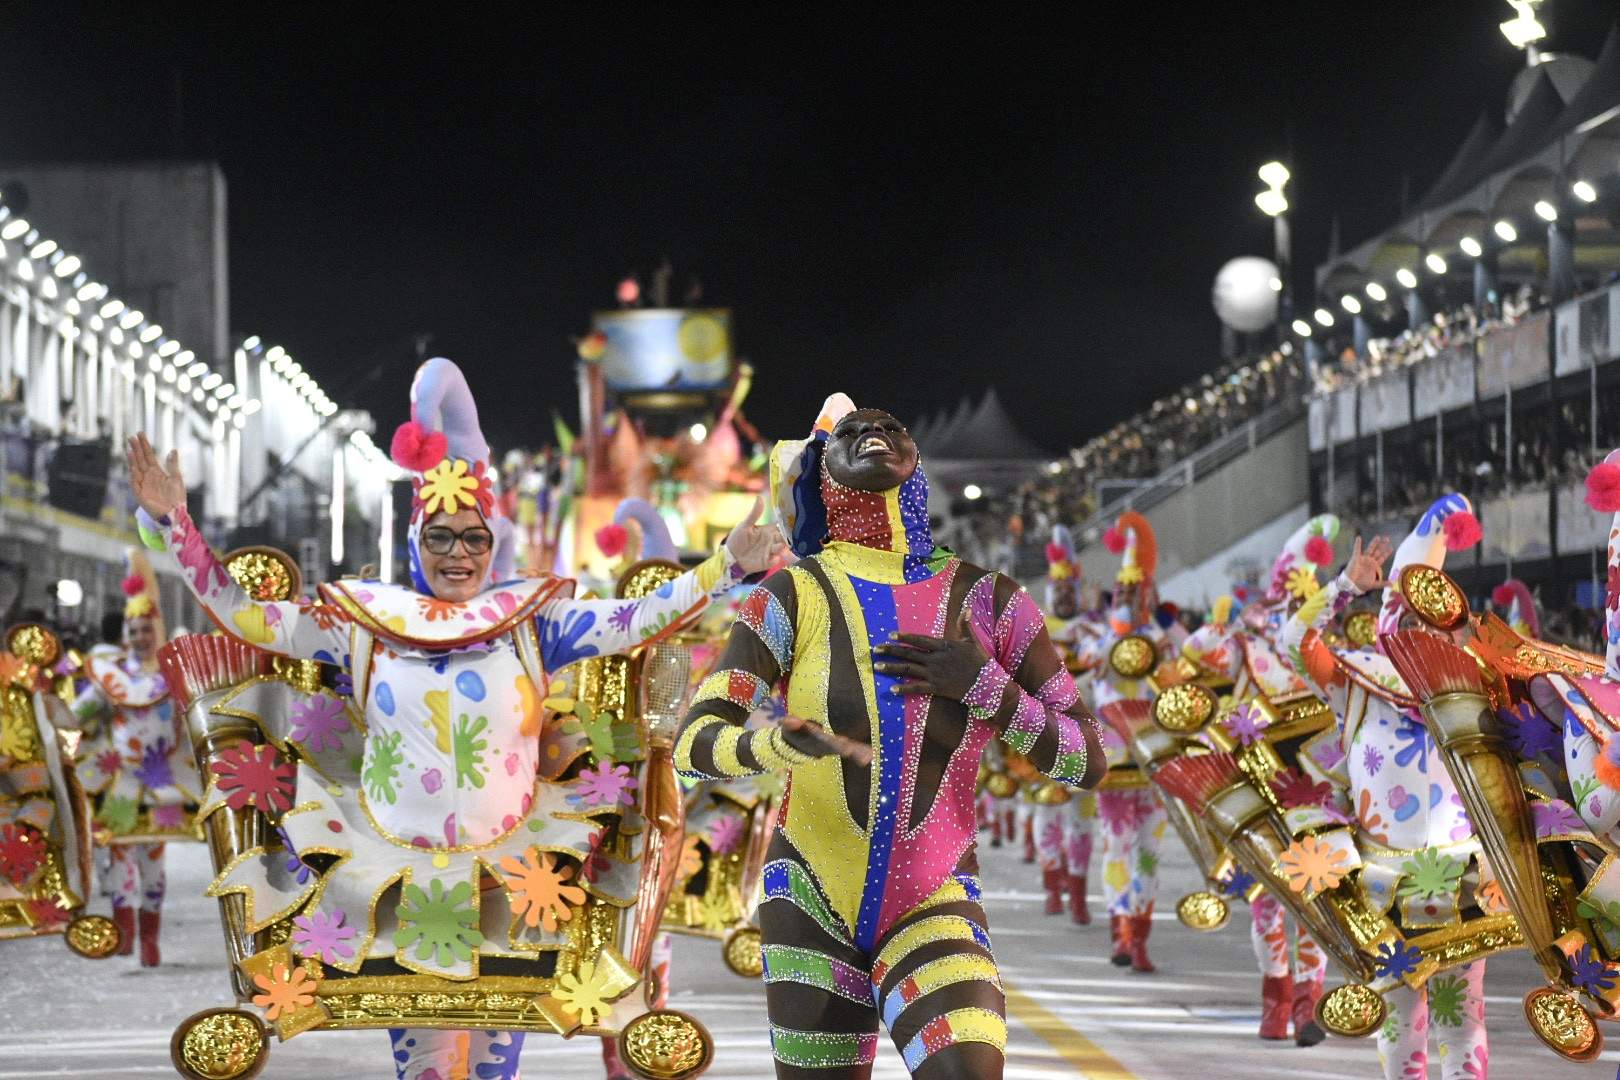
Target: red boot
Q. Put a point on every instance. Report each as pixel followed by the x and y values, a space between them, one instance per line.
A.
pixel 1029 840
pixel 1077 900
pixel 124 919
pixel 612 1065
pixel 151 925
pixel 1276 996
pixel 1306 994
pixel 995 828
pixel 1119 930
pixel 1053 880
pixel 1141 926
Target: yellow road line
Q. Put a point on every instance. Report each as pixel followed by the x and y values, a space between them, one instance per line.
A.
pixel 1074 1048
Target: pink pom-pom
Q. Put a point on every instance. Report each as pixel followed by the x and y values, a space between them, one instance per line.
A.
pixel 133 585
pixel 1056 553
pixel 1114 540
pixel 1462 531
pixel 416 448
pixel 1319 551
pixel 1241 594
pixel 1603 487
pixel 611 540
pixel 1502 595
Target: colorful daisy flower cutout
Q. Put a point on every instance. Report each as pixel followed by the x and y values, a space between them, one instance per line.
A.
pixel 539 888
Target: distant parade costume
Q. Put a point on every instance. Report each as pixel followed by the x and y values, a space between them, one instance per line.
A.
pixel 1238 647
pixel 445 776
pixel 1412 829
pixel 1132 818
pixel 138 768
pixel 872 907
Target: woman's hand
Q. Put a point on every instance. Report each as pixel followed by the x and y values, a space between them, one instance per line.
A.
pixel 945 666
pixel 159 487
pixel 811 738
pixel 1366 568
pixel 756 547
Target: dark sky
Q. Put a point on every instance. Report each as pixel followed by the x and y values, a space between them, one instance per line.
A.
pixel 905 210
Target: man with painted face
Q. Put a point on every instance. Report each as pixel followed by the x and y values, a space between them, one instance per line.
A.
pixel 900 663
pixel 449 675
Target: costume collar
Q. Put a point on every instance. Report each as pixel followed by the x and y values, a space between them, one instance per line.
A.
pixel 402 616
pixel 891 523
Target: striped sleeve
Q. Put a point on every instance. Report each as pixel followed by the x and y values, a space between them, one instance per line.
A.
pixel 759 652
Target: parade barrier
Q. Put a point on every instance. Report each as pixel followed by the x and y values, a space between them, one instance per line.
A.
pixel 1551 865
pixel 45 843
pixel 572 895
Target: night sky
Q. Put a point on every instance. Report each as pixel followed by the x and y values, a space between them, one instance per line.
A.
pixel 902 210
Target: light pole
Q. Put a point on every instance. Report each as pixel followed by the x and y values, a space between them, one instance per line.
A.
pixel 1273 202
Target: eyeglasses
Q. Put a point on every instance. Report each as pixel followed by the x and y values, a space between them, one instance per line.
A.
pixel 439 540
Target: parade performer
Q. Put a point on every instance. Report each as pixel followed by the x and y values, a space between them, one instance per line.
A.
pixel 1064 830
pixel 136 764
pixel 1410 820
pixel 1239 648
pixel 1133 819
pixel 896 653
pixel 448 674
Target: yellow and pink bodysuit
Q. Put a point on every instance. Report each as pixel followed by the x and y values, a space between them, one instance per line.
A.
pixel 872 903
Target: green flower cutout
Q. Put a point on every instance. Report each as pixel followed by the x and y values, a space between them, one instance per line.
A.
pixel 1430 874
pixel 442 925
pixel 119 814
pixel 611 738
pixel 386 758
pixel 469 749
pixel 1607 911
pixel 1446 995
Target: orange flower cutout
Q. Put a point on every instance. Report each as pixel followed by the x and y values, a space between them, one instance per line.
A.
pixel 1311 865
pixel 691 859
pixel 284 991
pixel 539 892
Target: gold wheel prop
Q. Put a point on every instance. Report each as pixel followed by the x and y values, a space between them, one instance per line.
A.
pixel 1203 911
pixel 33 643
pixel 1133 656
pixel 219 1044
pixel 666 1046
pixel 266 573
pixel 742 952
pixel 1562 1024
pixel 1361 629
pixel 1184 708
pixel 1434 597
pixel 1052 793
pixel 1352 1010
pixel 93 936
pixel 1001 785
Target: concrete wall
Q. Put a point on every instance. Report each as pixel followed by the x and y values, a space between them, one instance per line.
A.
pixel 153 232
pixel 1208 523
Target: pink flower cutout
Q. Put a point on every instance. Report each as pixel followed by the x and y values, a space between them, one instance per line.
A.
pixel 725 834
pixel 319 723
pixel 604 786
pixel 323 936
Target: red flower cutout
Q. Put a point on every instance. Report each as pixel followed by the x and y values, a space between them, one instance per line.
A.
pixel 1293 789
pixel 22 850
pixel 254 776
pixel 46 913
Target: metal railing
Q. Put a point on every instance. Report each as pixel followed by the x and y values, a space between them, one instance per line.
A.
pixel 1205 460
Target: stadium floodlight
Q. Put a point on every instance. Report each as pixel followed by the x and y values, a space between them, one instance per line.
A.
pixel 1376 292
pixel 972 492
pixel 1584 191
pixel 131 319
pixel 1274 174
pixel 197 370
pixel 1349 302
pixel 14 228
pixel 1276 284
pixel 251 343
pixel 42 249
pixel 1524 29
pixel 252 407
pixel 225 391
pixel 111 308
pixel 1271 202
pixel 1302 328
pixel 1324 316
pixel 70 265
pixel 1546 211
pixel 151 333
pixel 1406 278
pixel 212 379
pixel 169 348
pixel 1435 262
pixel 89 291
pixel 274 353
pixel 1505 231
pixel 1471 247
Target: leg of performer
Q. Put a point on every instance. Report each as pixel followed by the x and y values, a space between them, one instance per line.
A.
pixel 1079 822
pixel 1457 1014
pixel 1269 935
pixel 154 883
pixel 1116 812
pixel 1049 849
pixel 995 822
pixel 818 986
pixel 941 993
pixel 1024 817
pixel 1310 972
pixel 493 1055
pixel 1403 1041
pixel 1009 818
pixel 1145 877
pixel 426 1054
pixel 122 884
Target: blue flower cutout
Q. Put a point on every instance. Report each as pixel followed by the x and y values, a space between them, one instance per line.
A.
pixel 1239 882
pixel 1396 959
pixel 294 864
pixel 1528 733
pixel 1591 974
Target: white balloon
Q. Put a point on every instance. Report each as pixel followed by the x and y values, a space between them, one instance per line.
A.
pixel 1246 294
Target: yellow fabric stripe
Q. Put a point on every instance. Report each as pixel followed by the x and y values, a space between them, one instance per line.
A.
pixel 726 761
pixel 977 1025
pixel 818 822
pixel 918 934
pixel 950 970
pixel 898 541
